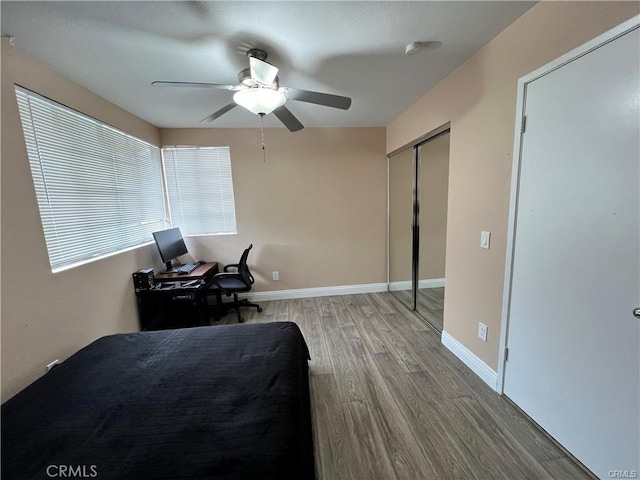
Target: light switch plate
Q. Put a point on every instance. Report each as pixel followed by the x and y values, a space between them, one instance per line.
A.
pixel 485 239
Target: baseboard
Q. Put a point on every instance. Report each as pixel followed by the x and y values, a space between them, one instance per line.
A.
pixel 428 283
pixel 478 367
pixel 316 292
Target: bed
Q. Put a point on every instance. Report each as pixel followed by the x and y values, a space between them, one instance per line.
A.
pixel 224 402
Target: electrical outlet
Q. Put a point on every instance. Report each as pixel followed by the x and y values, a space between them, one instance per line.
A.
pixel 482 331
pixel 276 275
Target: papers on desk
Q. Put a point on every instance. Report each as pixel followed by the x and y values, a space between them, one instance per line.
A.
pixel 164 286
pixel 174 285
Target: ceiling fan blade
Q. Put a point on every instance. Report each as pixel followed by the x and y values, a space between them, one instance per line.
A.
pixel 262 72
pixel 218 113
pixel 326 99
pixel 288 119
pixel 160 83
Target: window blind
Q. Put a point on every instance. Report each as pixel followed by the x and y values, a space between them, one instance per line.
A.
pixel 99 189
pixel 200 189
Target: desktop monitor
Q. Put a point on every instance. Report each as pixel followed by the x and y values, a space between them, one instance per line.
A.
pixel 170 245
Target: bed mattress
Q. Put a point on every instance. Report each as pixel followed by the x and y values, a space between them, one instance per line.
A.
pixel 224 402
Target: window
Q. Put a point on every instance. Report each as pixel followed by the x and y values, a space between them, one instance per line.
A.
pixel 200 189
pixel 99 190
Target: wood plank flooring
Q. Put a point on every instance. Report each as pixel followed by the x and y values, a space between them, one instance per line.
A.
pixel 430 303
pixel 390 402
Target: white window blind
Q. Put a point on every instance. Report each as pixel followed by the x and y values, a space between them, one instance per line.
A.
pixel 99 190
pixel 200 189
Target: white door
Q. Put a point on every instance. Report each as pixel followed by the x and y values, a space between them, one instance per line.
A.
pixel 574 362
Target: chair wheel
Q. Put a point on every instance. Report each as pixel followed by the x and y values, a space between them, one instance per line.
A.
pixel 259 309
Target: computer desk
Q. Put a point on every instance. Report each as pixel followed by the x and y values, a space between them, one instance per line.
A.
pixel 171 303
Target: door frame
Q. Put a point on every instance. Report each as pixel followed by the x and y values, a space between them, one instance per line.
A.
pixel 523 82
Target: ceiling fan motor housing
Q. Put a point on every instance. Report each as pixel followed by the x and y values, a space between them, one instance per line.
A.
pixel 257 53
pixel 245 78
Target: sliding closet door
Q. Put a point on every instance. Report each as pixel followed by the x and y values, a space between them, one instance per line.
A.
pixel 418 197
pixel 401 184
pixel 433 189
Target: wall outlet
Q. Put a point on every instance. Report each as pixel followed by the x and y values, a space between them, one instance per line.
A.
pixel 482 331
pixel 276 275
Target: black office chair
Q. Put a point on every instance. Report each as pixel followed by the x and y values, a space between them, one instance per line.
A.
pixel 232 283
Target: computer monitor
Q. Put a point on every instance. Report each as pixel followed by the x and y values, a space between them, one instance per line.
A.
pixel 170 245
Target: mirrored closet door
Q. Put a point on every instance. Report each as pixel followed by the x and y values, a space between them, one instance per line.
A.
pixel 433 190
pixel 418 200
pixel 401 201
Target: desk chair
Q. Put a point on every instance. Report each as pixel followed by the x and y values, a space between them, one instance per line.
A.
pixel 232 283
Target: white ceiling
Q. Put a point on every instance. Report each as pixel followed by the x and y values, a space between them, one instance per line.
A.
pixel 355 49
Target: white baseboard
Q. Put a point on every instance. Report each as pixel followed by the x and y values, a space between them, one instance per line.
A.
pixel 428 283
pixel 478 367
pixel 316 292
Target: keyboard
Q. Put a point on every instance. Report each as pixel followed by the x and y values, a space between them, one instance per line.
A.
pixel 188 268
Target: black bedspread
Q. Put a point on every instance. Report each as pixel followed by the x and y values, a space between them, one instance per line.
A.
pixel 210 402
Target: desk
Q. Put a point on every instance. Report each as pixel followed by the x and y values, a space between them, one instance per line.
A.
pixel 170 303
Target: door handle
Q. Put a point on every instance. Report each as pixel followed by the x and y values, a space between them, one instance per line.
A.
pixel 636 312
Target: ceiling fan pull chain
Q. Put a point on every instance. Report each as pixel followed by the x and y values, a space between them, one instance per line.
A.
pixel 264 153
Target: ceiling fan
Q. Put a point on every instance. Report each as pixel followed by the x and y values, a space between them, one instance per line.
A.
pixel 259 91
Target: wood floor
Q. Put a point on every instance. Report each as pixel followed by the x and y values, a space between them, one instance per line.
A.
pixel 389 401
pixel 430 303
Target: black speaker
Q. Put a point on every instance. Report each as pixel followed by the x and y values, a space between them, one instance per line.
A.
pixel 143 279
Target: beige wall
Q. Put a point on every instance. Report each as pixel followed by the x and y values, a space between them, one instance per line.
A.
pixel 47 316
pixel 315 211
pixel 479 99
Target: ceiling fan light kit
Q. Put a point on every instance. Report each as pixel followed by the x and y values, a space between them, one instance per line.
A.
pixel 258 91
pixel 261 101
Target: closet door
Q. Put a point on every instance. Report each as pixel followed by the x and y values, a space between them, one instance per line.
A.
pixel 401 182
pixel 433 188
pixel 574 361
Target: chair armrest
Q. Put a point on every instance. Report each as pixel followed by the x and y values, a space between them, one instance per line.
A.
pixel 218 276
